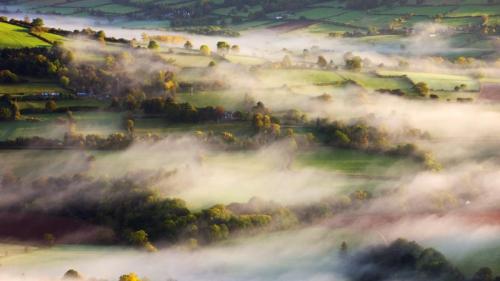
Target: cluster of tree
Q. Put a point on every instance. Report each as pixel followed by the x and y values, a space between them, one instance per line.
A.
pixel 405 260
pixel 9 110
pixel 8 77
pixel 356 135
pixel 211 30
pixel 353 63
pixel 113 141
pixel 359 135
pixel 422 89
pixel 131 209
pixel 38 62
pixel 182 112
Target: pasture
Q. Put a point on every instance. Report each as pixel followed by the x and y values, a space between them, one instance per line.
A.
pixel 227 99
pixel 352 162
pixel 13 36
pixel 31 88
pixel 48 127
pixel 372 81
pixel 297 77
pixel 438 82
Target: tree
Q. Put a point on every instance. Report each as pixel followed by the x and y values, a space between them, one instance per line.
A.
pixel 188 45
pixel 129 277
pixel 258 121
pixel 343 248
pixel 8 77
pixel 130 127
pixel 483 274
pixel 101 34
pixel 5 114
pixel 153 45
pixel 235 49
pixel 37 22
pixel 322 63
pixel 286 62
pixel 222 48
pixel 64 80
pixel 49 239
pixel 205 50
pixel 138 238
pixel 354 63
pixel 422 89
pixel 341 138
pixel 50 106
pixel 72 275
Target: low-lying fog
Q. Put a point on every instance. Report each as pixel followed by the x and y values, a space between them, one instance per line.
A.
pixel 464 137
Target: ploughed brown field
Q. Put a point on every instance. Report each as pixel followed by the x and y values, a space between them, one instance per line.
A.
pixel 490 92
pixel 32 227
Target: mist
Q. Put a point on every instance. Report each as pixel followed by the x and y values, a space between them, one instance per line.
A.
pixel 454 210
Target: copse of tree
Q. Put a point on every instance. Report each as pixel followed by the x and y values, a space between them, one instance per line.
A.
pixel 8 77
pixel 135 213
pixel 37 22
pixel 182 112
pixel 140 239
pixel 422 89
pixel 235 49
pixel 223 48
pixel 153 45
pixel 50 106
pixel 356 135
pixel 38 62
pixel 322 63
pixel 402 260
pixel 353 63
pixel 72 274
pixel 9 109
pixel 205 50
pixel 188 45
pixel 64 80
pixel 129 277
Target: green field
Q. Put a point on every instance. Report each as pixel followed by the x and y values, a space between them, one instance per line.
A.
pixel 116 9
pixel 475 11
pixel 64 103
pixel 245 60
pixel 419 11
pixel 87 123
pixel 318 13
pixel 228 99
pixel 297 77
pixel 31 88
pixel 438 82
pixel 161 127
pixel 355 162
pixel 372 81
pixel 188 60
pixel 86 3
pixel 13 36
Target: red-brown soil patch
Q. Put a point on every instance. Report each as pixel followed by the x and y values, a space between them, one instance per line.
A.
pixel 490 92
pixel 32 227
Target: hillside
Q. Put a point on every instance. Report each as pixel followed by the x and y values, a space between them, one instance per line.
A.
pixel 315 16
pixel 13 36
